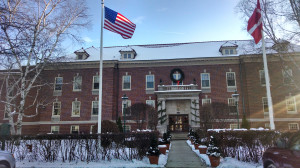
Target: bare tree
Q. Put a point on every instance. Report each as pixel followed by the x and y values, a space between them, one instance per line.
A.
pixel 31 35
pixel 139 113
pixel 214 115
pixel 281 25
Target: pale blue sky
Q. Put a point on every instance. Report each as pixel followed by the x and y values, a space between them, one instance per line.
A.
pixel 167 21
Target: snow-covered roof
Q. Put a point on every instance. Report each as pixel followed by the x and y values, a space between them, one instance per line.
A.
pixel 175 50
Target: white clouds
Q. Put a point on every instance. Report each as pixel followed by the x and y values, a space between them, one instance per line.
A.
pixel 87 40
pixel 139 20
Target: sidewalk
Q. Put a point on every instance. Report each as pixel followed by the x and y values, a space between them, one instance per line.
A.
pixel 181 155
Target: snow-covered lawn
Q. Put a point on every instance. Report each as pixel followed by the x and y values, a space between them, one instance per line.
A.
pixel 114 163
pixel 226 162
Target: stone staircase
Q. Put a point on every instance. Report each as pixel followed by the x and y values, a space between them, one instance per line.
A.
pixel 179 136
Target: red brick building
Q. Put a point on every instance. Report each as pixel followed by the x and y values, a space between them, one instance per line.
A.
pixel 176 79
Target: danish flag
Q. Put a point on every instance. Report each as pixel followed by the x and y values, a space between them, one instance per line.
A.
pixel 255 24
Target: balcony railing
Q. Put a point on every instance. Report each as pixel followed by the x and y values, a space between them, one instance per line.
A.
pixel 177 87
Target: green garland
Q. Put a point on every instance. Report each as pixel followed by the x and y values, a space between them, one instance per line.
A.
pixel 162 112
pixel 195 109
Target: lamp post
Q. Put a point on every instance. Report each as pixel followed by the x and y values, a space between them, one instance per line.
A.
pixel 236 100
pixel 124 102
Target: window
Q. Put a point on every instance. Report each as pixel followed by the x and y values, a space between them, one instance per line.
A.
pixel 127 82
pixel 230 77
pixel 205 80
pixel 56 109
pixel 5 115
pixel 127 128
pixel 291 104
pixel 150 82
pixel 76 108
pixel 232 106
pixel 54 129
pixel 95 82
pixel 151 103
pixel 206 101
pixel 267 125
pixel 95 107
pixel 262 77
pixel 129 56
pixel 58 83
pixel 265 106
pixel 74 129
pixel 77 83
pixel 127 112
pixel 176 83
pixel 233 126
pixel 287 76
pixel 293 126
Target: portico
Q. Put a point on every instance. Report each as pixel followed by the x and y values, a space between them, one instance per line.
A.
pixel 178 107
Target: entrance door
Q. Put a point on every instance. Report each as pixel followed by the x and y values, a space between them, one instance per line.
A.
pixel 179 123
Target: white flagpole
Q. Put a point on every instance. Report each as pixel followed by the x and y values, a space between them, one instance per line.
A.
pixel 101 71
pixel 270 104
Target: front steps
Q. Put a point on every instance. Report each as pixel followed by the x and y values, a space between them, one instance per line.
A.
pixel 179 135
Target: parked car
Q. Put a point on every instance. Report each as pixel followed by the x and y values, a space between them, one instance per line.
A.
pixel 285 154
pixel 7 160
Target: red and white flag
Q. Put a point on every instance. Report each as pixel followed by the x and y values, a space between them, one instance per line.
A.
pixel 255 24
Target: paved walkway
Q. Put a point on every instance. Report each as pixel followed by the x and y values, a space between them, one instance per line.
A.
pixel 181 155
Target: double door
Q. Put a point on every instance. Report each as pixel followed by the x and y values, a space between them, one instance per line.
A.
pixel 179 123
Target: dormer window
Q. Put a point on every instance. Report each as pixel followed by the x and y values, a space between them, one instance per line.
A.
pixel 228 48
pixel 127 53
pixel 81 54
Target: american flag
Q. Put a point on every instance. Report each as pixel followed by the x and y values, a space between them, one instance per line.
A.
pixel 117 23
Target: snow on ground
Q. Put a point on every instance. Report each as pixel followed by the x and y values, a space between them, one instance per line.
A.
pixel 115 163
pixel 226 162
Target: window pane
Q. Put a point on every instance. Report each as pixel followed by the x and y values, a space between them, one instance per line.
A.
pixel 96 82
pixel 230 79
pixel 95 108
pixel 126 82
pixel 205 80
pixel 77 82
pixel 76 108
pixel 56 108
pixel 262 77
pixel 150 81
pixel 58 83
pixel 125 56
pixel 128 55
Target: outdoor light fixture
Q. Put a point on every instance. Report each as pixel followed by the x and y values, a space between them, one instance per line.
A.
pixel 124 102
pixel 235 96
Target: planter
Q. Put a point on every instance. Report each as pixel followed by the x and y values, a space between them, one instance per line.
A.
pixel 153 159
pixel 196 146
pixel 214 161
pixel 162 149
pixel 168 146
pixel 202 149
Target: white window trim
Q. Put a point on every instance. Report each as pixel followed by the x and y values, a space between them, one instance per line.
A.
pixel 153 82
pixel 54 109
pixel 123 82
pixel 76 90
pixel 234 80
pixel 73 109
pixel 91 129
pixel 290 124
pixel 260 77
pixel 75 127
pixel 129 104
pixel 208 80
pixel 206 99
pixel 151 103
pixel 56 83
pixel 295 105
pixel 52 128
pixel 92 108
pixel 267 125
pixel 94 82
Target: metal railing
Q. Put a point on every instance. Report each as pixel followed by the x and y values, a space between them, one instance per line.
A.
pixel 177 87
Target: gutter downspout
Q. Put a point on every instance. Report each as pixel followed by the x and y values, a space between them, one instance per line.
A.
pixel 241 83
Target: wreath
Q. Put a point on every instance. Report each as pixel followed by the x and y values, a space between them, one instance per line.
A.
pixel 181 73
